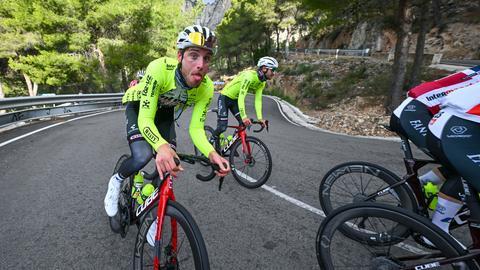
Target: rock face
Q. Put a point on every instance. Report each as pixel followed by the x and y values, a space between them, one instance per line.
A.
pixel 456 36
pixel 213 12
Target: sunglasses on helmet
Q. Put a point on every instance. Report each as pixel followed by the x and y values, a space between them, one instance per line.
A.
pixel 198 39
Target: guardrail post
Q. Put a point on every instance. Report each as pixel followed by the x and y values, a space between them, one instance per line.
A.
pixel 336 54
pixel 436 58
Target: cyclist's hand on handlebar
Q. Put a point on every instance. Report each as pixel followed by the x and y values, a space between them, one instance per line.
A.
pixel 215 158
pixel 247 122
pixel 164 161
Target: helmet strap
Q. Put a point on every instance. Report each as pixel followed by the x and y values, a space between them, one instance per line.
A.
pixel 261 74
pixel 181 59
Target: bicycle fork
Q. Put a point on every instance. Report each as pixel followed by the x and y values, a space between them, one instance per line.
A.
pixel 166 194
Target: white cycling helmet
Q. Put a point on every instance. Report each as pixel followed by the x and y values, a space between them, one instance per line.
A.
pixel 196 36
pixel 268 62
pixel 140 73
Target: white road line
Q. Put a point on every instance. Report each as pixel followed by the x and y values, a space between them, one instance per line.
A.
pixel 283 114
pixel 51 126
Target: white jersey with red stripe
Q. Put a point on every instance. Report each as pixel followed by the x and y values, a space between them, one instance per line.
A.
pixel 464 104
pixel 433 94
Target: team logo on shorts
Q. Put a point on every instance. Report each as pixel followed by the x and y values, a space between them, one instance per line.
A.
pixel 458 132
pixel 411 108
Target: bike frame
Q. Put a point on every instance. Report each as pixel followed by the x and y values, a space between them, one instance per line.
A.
pixel 411 181
pixel 241 134
pixel 162 194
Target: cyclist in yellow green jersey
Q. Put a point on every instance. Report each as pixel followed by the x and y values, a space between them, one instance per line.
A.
pixel 232 97
pixel 152 106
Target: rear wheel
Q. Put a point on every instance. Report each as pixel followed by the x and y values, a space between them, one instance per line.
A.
pixel 250 169
pixel 355 182
pixel 185 251
pixel 121 221
pixel 209 132
pixel 386 248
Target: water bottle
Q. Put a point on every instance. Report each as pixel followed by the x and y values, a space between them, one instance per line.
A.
pixel 222 139
pixel 147 190
pixel 137 185
pixel 431 193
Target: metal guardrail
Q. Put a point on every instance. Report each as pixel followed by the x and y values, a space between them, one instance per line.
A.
pixel 30 108
pixel 465 63
pixel 336 52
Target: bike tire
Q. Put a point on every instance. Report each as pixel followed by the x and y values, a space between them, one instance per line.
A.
pixel 333 248
pixel 400 196
pixel 356 190
pixel 115 222
pixel 209 132
pixel 197 256
pixel 243 170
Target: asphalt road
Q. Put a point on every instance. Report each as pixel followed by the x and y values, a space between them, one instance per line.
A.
pixel 54 181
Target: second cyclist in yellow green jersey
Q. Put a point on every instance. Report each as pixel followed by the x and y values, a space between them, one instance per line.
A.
pixel 232 97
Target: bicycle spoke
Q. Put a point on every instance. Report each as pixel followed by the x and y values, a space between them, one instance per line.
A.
pixel 347 188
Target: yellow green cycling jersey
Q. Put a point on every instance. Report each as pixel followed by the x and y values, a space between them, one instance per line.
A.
pixel 238 88
pixel 160 87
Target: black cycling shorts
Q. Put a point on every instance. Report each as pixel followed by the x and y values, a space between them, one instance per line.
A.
pixel 413 123
pixel 164 121
pixel 458 147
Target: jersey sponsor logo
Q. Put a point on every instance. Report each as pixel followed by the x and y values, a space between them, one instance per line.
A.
pixel 204 113
pixel 438 95
pixel 435 118
pixel 150 135
pixel 458 132
pixel 146 104
pixel 170 67
pixel 154 86
pixel 419 126
pixel 147 83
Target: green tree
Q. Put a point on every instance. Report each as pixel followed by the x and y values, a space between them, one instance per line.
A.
pixel 245 32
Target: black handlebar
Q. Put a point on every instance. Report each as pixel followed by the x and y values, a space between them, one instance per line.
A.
pixel 191 159
pixel 262 126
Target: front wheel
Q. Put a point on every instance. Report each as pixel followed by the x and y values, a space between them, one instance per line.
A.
pixel 251 166
pixel 181 243
pixel 386 248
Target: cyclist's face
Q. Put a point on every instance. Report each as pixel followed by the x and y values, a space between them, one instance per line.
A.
pixel 195 65
pixel 269 73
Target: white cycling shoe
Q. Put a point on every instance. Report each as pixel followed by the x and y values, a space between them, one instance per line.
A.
pixel 151 234
pixel 111 198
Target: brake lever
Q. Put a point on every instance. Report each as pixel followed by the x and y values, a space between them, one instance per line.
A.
pixel 220 183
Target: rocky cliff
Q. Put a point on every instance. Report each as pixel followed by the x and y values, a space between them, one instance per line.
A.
pixel 456 35
pixel 212 13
